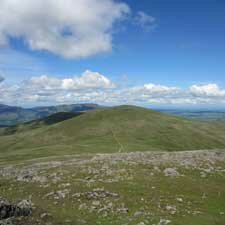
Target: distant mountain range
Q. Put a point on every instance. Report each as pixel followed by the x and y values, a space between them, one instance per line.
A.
pixel 11 115
pixel 205 115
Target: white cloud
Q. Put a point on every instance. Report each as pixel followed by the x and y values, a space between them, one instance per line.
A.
pixel 150 93
pixel 97 88
pixel 87 81
pixel 71 28
pixel 42 83
pixel 89 86
pixel 209 90
pixel 160 90
pixel 145 21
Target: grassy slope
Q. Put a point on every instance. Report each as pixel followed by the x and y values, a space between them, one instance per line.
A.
pixel 124 129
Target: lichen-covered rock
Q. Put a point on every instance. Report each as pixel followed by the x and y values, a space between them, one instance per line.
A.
pixel 8 210
pixel 24 208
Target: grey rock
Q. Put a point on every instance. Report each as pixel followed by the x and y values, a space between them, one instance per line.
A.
pixel 171 172
pixel 8 210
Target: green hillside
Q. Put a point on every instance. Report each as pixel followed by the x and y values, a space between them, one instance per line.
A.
pixel 118 129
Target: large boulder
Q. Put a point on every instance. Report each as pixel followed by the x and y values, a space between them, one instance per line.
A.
pixel 8 210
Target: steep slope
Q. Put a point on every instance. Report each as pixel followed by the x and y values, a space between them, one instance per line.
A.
pixel 118 129
pixel 12 115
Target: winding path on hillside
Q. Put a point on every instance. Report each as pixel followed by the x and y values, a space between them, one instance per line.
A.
pixel 117 140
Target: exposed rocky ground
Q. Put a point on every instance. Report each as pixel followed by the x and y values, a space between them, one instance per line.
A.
pixel 123 188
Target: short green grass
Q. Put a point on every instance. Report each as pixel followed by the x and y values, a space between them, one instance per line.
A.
pixel 118 129
pixel 139 186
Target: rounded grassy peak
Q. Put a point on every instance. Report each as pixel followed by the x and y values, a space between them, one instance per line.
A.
pixel 117 129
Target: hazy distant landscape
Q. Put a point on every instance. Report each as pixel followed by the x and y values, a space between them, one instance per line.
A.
pixel 207 115
pixel 12 115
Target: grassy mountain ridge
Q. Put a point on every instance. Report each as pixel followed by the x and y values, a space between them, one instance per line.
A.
pixel 118 129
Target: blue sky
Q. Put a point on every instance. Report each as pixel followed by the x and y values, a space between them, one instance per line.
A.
pixel 177 44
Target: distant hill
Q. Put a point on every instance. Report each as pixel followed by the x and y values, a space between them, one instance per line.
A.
pixel 204 115
pixel 118 129
pixel 34 124
pixel 11 115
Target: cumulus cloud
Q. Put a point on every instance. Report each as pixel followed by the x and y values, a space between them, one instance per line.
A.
pixel 158 90
pixel 72 28
pixel 149 93
pixel 87 81
pixel 97 88
pixel 145 21
pixel 209 90
pixel 89 86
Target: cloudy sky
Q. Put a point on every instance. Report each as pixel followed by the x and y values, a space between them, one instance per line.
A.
pixel 149 52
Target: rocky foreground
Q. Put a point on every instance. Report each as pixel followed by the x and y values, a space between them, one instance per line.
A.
pixel 125 188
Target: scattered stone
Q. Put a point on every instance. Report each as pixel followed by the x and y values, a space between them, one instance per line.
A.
pixel 81 221
pixel 82 206
pixel 40 179
pixel 171 172
pixel 203 174
pixel 25 178
pixel 172 209
pixel 156 169
pixel 98 193
pixel 138 213
pixel 123 209
pixel 77 195
pixel 61 194
pixel 49 194
pixel 204 196
pixel 96 203
pixel 65 185
pixel 164 222
pixel 196 213
pixel 44 215
pixel 179 199
pixel 55 178
pixel 141 223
